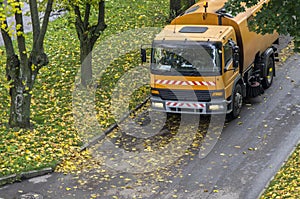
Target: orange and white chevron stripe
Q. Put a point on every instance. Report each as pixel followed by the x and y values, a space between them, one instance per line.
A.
pixel 185 83
pixel 185 105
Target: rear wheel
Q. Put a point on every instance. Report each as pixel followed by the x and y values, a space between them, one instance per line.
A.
pixel 268 78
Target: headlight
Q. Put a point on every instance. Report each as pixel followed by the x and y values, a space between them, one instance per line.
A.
pixel 216 107
pixel 157 105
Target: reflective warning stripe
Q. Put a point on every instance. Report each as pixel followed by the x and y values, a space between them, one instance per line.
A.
pixel 185 105
pixel 185 83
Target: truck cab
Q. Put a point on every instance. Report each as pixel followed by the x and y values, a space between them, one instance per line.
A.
pixel 206 61
pixel 193 69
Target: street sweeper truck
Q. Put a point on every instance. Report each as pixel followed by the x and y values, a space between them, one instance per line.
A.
pixel 208 60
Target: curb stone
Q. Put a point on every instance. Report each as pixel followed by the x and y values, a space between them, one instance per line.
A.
pixel 36 173
pixel 24 175
pixel 8 179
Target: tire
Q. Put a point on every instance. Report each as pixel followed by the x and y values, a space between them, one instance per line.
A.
pixel 268 77
pixel 237 102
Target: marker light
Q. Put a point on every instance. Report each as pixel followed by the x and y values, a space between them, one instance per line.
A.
pixel 155 92
pixel 217 94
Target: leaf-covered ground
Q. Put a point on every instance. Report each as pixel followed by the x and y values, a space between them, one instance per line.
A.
pixel 286 183
pixel 54 137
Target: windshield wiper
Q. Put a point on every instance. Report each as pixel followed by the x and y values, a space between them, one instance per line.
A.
pixel 161 71
pixel 194 73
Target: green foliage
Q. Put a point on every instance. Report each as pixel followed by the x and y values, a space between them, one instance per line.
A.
pixel 9 9
pixel 282 16
pixel 69 5
pixel 179 6
pixel 11 6
pixel 79 2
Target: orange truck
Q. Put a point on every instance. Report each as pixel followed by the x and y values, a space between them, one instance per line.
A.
pixel 207 61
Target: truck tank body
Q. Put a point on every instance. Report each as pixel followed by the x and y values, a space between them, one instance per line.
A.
pixel 196 15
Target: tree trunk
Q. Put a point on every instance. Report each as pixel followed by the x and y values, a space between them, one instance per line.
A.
pixel 19 107
pixel 179 6
pixel 86 62
pixel 19 94
pixel 88 35
pixel 175 8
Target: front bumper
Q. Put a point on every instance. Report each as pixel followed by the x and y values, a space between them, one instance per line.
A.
pixel 216 106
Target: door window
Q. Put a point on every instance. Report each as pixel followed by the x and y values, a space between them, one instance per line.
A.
pixel 227 54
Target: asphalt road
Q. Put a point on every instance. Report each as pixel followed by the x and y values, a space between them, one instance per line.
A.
pixel 269 128
pixel 248 154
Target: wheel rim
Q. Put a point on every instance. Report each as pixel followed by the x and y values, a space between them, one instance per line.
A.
pixel 238 102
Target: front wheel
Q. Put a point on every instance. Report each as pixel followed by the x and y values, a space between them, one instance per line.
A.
pixel 237 102
pixel 268 78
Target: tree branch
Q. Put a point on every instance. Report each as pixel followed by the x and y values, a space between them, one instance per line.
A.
pixel 44 26
pixel 101 14
pixel 35 20
pixel 100 24
pixel 20 38
pixel 9 48
pixel 87 15
pixel 78 21
pixel 11 58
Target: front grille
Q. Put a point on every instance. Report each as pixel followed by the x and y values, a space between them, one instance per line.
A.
pixel 185 95
pixel 187 110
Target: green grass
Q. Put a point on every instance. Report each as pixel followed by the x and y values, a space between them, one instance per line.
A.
pixel 54 136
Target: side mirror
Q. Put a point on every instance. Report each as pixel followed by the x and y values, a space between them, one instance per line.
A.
pixel 143 55
pixel 236 56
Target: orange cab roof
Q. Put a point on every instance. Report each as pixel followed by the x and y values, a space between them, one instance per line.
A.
pixel 174 32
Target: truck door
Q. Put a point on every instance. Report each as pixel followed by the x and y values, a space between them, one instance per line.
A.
pixel 229 72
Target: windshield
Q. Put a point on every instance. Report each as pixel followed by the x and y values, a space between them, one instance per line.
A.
pixel 186 59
